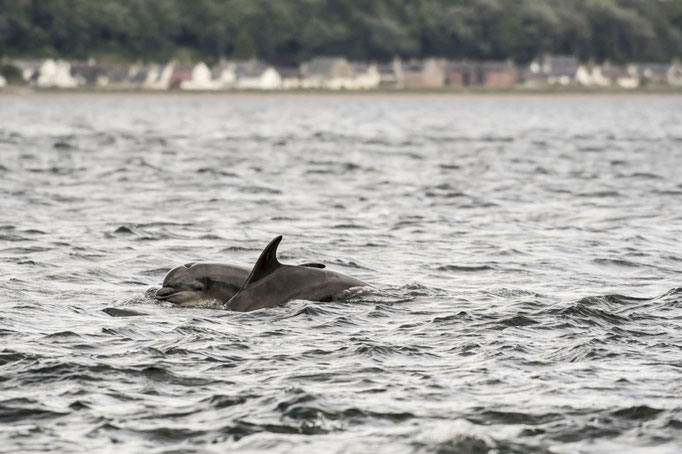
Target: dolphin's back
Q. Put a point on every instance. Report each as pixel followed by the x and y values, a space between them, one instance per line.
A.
pixel 291 283
pixel 270 283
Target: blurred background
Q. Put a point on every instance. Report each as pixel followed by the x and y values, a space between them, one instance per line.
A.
pixel 260 44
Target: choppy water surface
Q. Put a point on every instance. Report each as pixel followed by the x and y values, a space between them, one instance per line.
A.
pixel 525 254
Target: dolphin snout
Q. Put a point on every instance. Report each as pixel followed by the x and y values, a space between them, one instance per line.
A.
pixel 164 292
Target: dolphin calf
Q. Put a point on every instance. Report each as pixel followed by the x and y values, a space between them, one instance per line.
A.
pixel 196 284
pixel 271 283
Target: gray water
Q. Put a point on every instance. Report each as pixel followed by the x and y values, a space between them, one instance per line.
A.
pixel 524 252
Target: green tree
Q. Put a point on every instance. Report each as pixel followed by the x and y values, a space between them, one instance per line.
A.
pixel 293 30
pixel 244 46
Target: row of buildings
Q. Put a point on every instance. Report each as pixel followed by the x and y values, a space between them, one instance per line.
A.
pixel 341 74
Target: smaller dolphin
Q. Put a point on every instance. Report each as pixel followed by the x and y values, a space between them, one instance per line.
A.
pixel 271 283
pixel 196 284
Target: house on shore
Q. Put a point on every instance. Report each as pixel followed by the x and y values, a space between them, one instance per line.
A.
pixel 115 75
pixel 201 78
pixel 327 72
pixel 497 74
pixel 29 69
pixel 256 75
pixel 85 73
pixel 180 74
pixel 621 76
pixel 429 73
pixel 461 74
pixel 652 73
pixel 56 74
pixel 389 74
pixel 365 76
pixel 158 77
pixel 560 70
pixel 674 74
pixel 490 74
pixel 46 73
pixel 137 75
pixel 291 77
pixel 224 75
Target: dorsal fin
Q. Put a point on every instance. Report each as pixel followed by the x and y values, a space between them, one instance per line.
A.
pixel 266 263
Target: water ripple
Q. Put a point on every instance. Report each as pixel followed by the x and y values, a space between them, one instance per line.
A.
pixel 526 293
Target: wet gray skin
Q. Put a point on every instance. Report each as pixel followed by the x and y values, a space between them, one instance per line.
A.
pixel 196 284
pixel 271 283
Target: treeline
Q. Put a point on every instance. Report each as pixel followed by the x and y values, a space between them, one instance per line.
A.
pixel 290 31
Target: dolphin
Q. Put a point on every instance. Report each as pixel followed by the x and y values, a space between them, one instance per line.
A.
pixel 195 284
pixel 271 283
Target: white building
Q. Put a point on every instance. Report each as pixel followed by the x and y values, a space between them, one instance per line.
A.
pixel 367 76
pixel 628 78
pixel 159 77
pixel 224 75
pixel 56 74
pixel 674 74
pixel 598 78
pixel 255 75
pixel 291 77
pixel 29 68
pixel 327 72
pixel 201 79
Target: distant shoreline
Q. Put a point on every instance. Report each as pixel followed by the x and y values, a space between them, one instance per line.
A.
pixel 553 90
